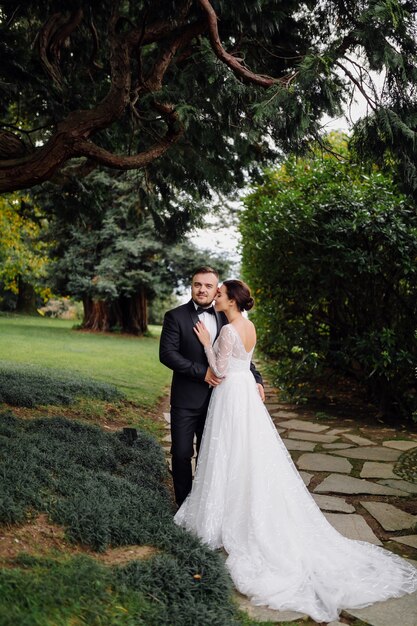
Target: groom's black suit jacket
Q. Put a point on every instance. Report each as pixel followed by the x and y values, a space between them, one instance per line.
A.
pixel 181 351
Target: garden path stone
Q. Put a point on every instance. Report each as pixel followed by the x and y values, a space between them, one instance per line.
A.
pixel 313 437
pixel 337 446
pixel 407 540
pixel 331 503
pixel 336 483
pixel 370 454
pixel 373 469
pixel 271 406
pixel 306 477
pixel 389 516
pixel 324 463
pixel 337 431
pixel 353 527
pixel 280 430
pixel 167 417
pixel 400 445
pixel 359 441
pixel 286 414
pixel 305 426
pixel 394 612
pixel 404 485
pixel 264 614
pixel 291 444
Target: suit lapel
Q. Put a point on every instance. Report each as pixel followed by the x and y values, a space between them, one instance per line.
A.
pixel 219 323
pixel 193 312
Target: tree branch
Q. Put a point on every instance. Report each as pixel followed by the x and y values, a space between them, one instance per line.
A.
pixel 231 61
pixel 104 157
pixel 358 84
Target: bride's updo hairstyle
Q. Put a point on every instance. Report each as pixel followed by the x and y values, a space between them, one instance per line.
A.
pixel 238 291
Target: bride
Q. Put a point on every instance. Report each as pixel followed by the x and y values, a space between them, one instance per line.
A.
pixel 249 498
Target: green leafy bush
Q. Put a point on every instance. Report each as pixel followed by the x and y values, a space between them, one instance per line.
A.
pixel 25 385
pixel 330 250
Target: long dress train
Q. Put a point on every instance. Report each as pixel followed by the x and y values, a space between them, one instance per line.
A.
pixel 248 497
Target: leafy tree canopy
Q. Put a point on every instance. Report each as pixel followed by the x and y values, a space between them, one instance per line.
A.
pixel 197 84
pixel 23 254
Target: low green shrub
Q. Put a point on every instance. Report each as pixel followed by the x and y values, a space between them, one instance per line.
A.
pixel 79 590
pixel 76 591
pixel 105 493
pixel 24 385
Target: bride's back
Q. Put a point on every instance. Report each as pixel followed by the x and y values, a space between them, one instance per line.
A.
pixel 247 333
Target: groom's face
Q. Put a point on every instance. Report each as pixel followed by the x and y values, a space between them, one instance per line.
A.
pixel 204 288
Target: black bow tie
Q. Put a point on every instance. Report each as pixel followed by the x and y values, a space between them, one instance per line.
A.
pixel 209 310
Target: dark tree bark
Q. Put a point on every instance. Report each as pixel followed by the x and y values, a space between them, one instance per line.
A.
pixel 26 298
pixel 128 314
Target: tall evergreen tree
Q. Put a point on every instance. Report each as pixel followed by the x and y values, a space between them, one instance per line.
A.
pixel 197 84
pixel 109 254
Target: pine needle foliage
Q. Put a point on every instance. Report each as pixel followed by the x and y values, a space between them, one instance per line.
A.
pixel 24 385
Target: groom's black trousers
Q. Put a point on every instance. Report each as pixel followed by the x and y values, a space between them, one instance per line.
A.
pixel 185 423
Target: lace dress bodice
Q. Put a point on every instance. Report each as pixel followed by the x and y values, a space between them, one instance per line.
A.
pixel 228 353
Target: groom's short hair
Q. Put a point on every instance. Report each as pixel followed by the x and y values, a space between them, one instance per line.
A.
pixel 205 269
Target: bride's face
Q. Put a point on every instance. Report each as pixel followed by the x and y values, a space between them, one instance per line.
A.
pixel 222 301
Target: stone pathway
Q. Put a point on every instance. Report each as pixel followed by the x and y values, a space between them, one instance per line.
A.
pixel 363 479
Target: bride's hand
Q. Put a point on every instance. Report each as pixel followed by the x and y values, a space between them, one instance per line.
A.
pixel 202 334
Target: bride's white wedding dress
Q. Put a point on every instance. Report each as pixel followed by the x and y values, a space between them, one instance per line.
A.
pixel 248 497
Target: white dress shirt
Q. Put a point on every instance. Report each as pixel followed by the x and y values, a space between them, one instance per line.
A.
pixel 209 321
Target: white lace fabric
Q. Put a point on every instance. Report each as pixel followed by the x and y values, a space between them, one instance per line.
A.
pixel 228 352
pixel 249 498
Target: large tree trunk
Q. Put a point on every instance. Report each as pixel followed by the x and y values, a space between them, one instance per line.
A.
pixel 26 298
pixel 128 314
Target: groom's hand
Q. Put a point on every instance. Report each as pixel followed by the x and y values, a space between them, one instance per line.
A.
pixel 211 378
pixel 261 391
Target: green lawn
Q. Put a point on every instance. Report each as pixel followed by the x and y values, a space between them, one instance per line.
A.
pixel 130 363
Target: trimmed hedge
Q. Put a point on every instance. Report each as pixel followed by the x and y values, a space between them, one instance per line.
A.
pixel 23 385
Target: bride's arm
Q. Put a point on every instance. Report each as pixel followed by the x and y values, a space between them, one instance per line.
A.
pixel 219 360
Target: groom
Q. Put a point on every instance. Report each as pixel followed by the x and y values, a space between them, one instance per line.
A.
pixel 192 379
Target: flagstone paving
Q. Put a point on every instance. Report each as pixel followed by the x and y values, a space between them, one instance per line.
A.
pixel 390 517
pixel 312 437
pixel 400 445
pixel 395 612
pixel 407 540
pixel 353 526
pixel 292 444
pixel 324 463
pixel 303 425
pixel 373 469
pixel 339 483
pixel 335 455
pixel 360 441
pixel 400 484
pixel 378 453
pixel 332 503
pixel 306 478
